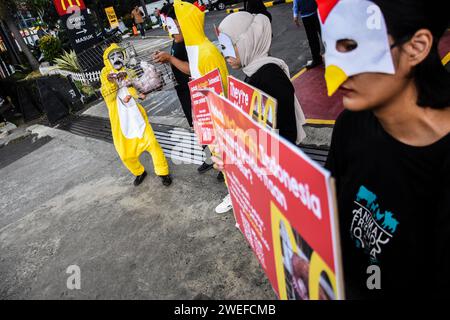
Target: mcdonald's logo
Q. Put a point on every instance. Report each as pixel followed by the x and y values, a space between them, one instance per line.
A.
pixel 62 5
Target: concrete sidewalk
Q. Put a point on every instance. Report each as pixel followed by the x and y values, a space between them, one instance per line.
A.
pixel 71 202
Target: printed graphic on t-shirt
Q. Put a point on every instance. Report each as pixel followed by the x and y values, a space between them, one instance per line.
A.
pixel 371 228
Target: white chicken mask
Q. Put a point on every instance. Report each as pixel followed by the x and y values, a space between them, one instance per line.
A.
pixel 225 44
pixel 170 25
pixel 117 59
pixel 361 21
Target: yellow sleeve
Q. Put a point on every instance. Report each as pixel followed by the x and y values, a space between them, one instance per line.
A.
pixel 213 59
pixel 108 89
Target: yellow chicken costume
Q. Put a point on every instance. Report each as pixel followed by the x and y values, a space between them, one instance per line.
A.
pixel 203 55
pixel 131 131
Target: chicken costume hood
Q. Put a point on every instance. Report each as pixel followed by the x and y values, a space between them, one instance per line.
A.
pixel 131 131
pixel 203 55
pixel 361 21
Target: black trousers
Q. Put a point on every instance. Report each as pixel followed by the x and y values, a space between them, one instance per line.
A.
pixel 185 99
pixel 312 28
pixel 141 29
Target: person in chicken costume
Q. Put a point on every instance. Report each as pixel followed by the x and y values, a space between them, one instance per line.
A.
pixel 131 131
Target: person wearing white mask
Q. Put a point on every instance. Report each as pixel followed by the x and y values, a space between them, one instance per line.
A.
pixel 245 41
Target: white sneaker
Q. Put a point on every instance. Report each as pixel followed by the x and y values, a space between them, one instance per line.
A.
pixel 225 206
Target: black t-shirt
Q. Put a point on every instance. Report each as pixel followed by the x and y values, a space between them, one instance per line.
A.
pixel 271 79
pixel 179 52
pixel 394 210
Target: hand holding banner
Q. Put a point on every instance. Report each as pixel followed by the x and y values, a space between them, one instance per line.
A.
pixel 283 204
pixel 62 5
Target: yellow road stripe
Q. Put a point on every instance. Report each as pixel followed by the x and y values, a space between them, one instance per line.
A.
pixel 267 4
pixel 320 121
pixel 446 59
pixel 298 74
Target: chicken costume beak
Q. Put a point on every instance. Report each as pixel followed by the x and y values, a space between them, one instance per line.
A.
pixel 334 77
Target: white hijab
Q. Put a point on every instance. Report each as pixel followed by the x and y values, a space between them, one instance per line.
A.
pixel 252 35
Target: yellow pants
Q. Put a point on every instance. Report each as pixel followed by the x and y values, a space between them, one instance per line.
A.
pixel 160 164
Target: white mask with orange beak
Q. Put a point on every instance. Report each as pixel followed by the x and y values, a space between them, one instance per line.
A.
pixel 362 22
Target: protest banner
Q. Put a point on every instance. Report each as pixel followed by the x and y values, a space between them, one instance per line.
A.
pixel 258 104
pixel 283 203
pixel 201 116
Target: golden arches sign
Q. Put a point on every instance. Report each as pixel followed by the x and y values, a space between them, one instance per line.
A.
pixel 63 5
pixel 68 3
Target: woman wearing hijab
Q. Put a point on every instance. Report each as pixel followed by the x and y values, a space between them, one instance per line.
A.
pixel 251 36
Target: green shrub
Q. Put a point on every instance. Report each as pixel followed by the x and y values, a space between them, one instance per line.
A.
pixel 68 61
pixel 50 47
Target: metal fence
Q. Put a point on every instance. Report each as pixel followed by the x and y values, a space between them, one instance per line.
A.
pixel 140 67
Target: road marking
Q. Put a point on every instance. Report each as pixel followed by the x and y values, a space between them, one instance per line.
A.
pixel 298 74
pixel 320 121
pixel 446 59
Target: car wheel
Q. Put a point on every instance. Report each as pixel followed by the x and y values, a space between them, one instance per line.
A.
pixel 221 6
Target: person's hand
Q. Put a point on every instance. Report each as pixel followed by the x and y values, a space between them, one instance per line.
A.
pixel 142 96
pixel 111 77
pixel 217 158
pixel 121 75
pixel 127 99
pixel 297 23
pixel 162 57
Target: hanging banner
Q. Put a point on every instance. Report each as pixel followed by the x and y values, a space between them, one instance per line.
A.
pixel 283 203
pixel 62 6
pixel 201 116
pixel 112 17
pixel 258 104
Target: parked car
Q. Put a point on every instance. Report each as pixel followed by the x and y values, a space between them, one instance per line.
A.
pixel 220 4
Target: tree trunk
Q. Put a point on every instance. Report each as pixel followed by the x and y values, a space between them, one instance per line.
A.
pixel 15 31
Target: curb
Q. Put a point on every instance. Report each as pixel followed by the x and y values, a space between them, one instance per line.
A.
pixel 267 4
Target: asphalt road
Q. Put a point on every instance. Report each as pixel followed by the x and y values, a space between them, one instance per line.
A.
pixel 288 43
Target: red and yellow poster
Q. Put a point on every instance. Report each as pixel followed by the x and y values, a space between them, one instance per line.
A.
pixel 283 203
pixel 201 116
pixel 258 104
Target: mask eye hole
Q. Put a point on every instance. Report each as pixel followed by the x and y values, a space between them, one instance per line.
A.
pixel 346 45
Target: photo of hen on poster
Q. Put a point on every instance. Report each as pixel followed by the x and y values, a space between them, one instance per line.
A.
pixel 296 253
pixel 283 203
pixel 251 100
pixel 201 116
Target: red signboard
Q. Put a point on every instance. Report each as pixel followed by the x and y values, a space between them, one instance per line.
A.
pixel 258 104
pixel 201 116
pixel 63 5
pixel 283 203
